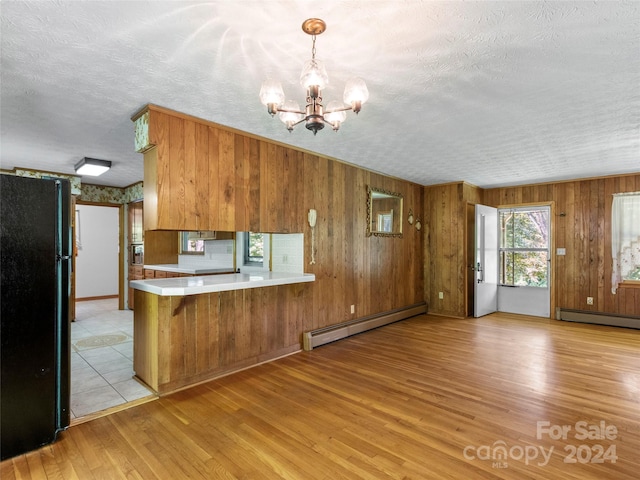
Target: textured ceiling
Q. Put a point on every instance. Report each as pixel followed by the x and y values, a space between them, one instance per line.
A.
pixel 493 93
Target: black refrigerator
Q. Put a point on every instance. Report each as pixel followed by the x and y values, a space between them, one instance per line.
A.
pixel 35 335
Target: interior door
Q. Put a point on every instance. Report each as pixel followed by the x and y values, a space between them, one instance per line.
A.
pixel 486 261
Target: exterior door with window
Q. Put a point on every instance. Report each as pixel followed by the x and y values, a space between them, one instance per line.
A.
pixel 524 261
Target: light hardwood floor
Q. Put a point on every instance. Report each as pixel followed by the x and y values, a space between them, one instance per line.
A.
pixel 428 397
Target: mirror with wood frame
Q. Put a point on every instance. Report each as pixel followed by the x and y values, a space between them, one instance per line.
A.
pixel 384 213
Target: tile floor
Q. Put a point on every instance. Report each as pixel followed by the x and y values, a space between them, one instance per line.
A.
pixel 102 358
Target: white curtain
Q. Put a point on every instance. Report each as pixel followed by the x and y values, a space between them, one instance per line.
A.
pixel 625 236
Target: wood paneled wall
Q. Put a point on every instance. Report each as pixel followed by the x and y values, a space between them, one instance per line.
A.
pixel 446 246
pixel 582 225
pixel 229 180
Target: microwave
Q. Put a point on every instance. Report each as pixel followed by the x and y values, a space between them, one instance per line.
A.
pixel 137 255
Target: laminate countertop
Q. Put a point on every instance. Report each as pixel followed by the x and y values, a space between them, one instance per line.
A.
pixel 176 268
pixel 181 286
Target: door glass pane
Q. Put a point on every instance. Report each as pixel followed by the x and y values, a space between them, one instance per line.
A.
pixel 524 247
pixel 524 269
pixel 524 229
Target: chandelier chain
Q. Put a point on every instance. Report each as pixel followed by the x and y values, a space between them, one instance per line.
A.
pixel 313 48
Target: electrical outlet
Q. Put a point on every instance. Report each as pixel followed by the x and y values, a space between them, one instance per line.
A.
pixel 353 309
pixel 440 295
pixel 589 300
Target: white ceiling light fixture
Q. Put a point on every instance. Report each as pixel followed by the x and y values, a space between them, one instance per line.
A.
pixel 92 166
pixel 314 78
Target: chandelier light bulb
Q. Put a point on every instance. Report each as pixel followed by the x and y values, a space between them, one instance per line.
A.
pixel 290 114
pixel 335 114
pixel 355 93
pixel 314 74
pixel 271 95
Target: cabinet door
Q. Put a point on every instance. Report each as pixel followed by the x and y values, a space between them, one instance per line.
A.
pixel 136 230
pixel 135 273
pixel 199 176
pixel 130 222
pixel 139 226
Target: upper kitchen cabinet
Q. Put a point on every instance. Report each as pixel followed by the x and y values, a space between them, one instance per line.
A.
pixel 202 176
pixel 197 176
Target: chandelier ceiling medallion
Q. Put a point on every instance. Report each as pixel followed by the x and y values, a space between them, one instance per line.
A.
pixel 314 78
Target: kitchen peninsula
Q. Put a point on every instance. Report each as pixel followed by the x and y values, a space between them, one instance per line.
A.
pixel 191 329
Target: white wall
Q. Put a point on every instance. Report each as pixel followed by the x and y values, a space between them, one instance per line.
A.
pixel 217 254
pixel 287 252
pixel 97 261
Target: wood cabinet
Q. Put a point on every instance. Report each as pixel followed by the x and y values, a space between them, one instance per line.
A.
pixel 136 222
pixel 160 246
pixel 150 273
pixel 180 186
pixel 136 238
pixel 210 235
pixel 203 176
pixel 135 273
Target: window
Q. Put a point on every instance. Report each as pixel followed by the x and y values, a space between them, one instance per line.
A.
pixel 191 246
pixel 254 249
pixel 625 238
pixel 524 247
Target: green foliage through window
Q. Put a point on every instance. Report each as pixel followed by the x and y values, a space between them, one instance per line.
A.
pixel 524 247
pixel 633 274
pixel 254 249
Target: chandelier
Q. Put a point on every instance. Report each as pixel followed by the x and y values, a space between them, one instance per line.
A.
pixel 314 78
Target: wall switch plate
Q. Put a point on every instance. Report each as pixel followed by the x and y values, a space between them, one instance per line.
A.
pixel 353 309
pixel 561 251
pixel 440 295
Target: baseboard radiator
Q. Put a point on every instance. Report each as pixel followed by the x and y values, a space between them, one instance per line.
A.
pixel 583 316
pixel 318 337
